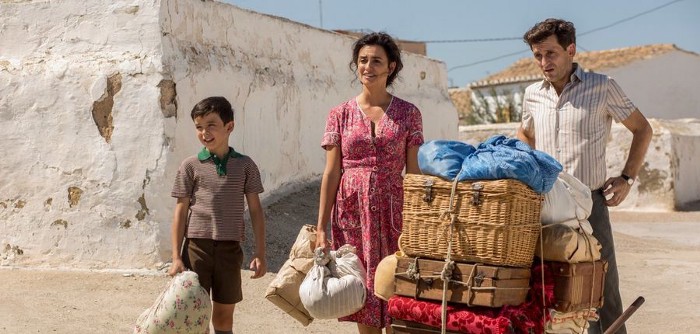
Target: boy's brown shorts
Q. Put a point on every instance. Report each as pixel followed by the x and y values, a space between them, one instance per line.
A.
pixel 218 264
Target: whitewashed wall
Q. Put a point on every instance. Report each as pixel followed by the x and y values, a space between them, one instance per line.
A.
pixel 69 197
pixel 663 87
pixel 669 178
pixel 72 195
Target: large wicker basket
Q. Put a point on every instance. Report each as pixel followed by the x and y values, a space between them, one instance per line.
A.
pixel 495 222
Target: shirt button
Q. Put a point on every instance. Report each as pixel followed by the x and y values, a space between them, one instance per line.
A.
pixel 373 208
pixel 375 168
pixel 371 189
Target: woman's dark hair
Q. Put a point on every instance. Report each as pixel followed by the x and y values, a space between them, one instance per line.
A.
pixel 390 47
pixel 215 104
pixel 564 30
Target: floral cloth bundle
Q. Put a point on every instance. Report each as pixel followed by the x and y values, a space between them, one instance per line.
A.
pixel 184 307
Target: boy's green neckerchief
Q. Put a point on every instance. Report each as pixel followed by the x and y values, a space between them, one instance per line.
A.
pixel 204 154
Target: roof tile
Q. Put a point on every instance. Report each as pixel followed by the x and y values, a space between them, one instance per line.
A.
pixel 597 61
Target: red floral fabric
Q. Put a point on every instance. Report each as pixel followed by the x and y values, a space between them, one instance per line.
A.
pixel 526 318
pixel 369 201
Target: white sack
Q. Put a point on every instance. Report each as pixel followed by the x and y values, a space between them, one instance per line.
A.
pixel 329 294
pixel 568 200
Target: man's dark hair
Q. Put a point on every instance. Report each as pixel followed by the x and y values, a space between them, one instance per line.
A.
pixel 215 104
pixel 393 53
pixel 563 30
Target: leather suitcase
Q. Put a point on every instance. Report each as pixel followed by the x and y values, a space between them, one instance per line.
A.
pixel 409 327
pixel 578 286
pixel 488 286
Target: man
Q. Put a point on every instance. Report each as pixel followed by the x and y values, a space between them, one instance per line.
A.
pixel 569 115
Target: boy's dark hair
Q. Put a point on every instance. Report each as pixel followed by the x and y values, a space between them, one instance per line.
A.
pixel 215 104
pixel 564 30
pixel 392 50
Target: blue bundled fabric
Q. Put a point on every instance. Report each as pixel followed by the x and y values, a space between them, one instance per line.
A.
pixel 500 157
pixel 443 158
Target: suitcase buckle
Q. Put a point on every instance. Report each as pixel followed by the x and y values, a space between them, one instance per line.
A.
pixel 478 279
pixel 428 195
pixel 477 187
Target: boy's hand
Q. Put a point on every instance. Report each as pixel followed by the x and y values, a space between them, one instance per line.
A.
pixel 258 266
pixel 177 267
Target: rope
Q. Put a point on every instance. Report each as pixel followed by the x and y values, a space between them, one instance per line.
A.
pixel 446 273
pixel 544 291
pixel 590 250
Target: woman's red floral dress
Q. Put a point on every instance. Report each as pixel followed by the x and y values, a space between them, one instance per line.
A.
pixel 369 201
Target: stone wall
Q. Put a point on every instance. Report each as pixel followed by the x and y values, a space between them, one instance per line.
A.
pixel 94 110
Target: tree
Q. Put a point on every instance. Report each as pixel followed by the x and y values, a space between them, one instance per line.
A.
pixel 494 108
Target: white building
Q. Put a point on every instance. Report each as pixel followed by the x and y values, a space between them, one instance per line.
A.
pixel 661 79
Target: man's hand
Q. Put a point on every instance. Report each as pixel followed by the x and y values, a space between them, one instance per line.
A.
pixel 258 266
pixel 618 187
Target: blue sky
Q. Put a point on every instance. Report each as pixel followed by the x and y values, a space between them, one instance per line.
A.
pixel 676 21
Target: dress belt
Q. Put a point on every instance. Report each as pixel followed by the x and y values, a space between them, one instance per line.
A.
pixel 372 168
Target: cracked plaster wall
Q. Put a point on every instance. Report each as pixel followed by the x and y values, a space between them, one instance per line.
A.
pixel 667 181
pixel 72 197
pixel 79 185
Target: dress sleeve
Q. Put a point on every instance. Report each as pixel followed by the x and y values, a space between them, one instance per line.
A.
pixel 415 128
pixel 331 137
pixel 619 106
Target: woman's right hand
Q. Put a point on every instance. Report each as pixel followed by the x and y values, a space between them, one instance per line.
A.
pixel 321 241
pixel 177 267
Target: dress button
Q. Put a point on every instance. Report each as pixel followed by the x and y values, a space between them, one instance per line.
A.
pixel 373 208
pixel 371 189
pixel 375 168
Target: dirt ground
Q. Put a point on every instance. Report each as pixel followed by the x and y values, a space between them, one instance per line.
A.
pixel 657 253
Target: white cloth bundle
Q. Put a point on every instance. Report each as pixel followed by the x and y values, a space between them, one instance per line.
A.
pixel 568 202
pixel 335 285
pixel 184 307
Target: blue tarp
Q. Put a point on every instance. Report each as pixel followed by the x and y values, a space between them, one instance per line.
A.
pixel 443 157
pixel 498 157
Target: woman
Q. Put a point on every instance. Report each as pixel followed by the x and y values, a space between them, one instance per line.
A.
pixel 368 141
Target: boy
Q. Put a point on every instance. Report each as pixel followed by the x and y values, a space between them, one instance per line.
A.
pixel 209 188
